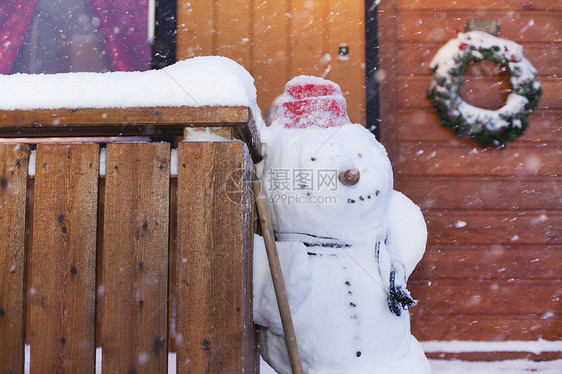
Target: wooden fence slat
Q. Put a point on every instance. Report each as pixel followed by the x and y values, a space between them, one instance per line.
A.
pixel 99 260
pixel 135 258
pixel 172 258
pixel 215 332
pixel 13 176
pixel 63 258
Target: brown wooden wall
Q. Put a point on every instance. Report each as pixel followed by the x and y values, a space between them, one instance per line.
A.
pixel 493 263
pixel 277 40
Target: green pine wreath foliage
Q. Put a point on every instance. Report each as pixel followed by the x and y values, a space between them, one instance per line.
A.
pixel 487 127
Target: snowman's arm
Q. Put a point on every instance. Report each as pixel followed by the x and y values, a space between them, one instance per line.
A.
pixel 297 276
pixel 408 231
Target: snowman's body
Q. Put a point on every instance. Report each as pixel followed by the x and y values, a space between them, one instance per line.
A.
pixel 343 322
pixel 346 252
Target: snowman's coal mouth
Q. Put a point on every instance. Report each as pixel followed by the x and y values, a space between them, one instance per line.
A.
pixel 365 197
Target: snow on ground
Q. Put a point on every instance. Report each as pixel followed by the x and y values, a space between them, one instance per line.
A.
pixel 437 366
pixel 511 367
pixel 454 346
pixel 468 367
pixel 479 367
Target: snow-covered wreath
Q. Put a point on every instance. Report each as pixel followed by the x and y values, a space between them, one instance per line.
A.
pixel 487 127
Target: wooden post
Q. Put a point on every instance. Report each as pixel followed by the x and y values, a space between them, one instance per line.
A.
pixel 135 258
pixel 63 258
pixel 215 332
pixel 13 176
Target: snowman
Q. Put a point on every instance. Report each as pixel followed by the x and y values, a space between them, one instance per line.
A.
pixel 347 241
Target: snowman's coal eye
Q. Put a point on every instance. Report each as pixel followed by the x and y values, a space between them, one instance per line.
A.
pixel 359 155
pixel 313 159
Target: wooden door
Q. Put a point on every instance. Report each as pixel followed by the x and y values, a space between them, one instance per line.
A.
pixel 277 40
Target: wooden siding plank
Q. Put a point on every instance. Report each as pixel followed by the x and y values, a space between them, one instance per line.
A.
pixel 485 327
pixel 447 297
pixel 414 58
pixel 271 50
pixel 494 227
pixel 195 28
pixel 436 160
pixel 214 259
pixel 13 177
pixel 229 16
pixel 441 25
pixel 489 193
pixel 491 261
pixel 308 38
pixel 345 25
pixel 387 75
pixel 423 125
pixel 135 258
pixel 406 5
pixel 62 289
pixel 208 116
pixel 413 90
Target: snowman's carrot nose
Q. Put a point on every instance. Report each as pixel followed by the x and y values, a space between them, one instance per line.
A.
pixel 349 177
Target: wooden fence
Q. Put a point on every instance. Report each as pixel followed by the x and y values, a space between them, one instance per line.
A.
pixel 89 260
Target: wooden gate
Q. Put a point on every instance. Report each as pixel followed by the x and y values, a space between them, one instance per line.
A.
pixel 90 258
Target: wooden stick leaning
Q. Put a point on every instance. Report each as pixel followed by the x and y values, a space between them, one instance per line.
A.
pixel 277 275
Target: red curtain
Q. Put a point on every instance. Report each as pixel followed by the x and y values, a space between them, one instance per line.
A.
pixel 123 25
pixel 15 16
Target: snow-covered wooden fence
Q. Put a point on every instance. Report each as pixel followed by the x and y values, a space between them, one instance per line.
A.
pixel 103 258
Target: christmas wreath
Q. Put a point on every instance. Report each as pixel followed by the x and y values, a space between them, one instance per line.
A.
pixel 487 127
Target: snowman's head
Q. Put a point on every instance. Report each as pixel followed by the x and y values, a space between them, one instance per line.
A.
pixel 331 182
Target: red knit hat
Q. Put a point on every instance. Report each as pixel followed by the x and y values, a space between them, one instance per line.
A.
pixel 312 101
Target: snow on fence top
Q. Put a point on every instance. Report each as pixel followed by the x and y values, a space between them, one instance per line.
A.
pixel 200 81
